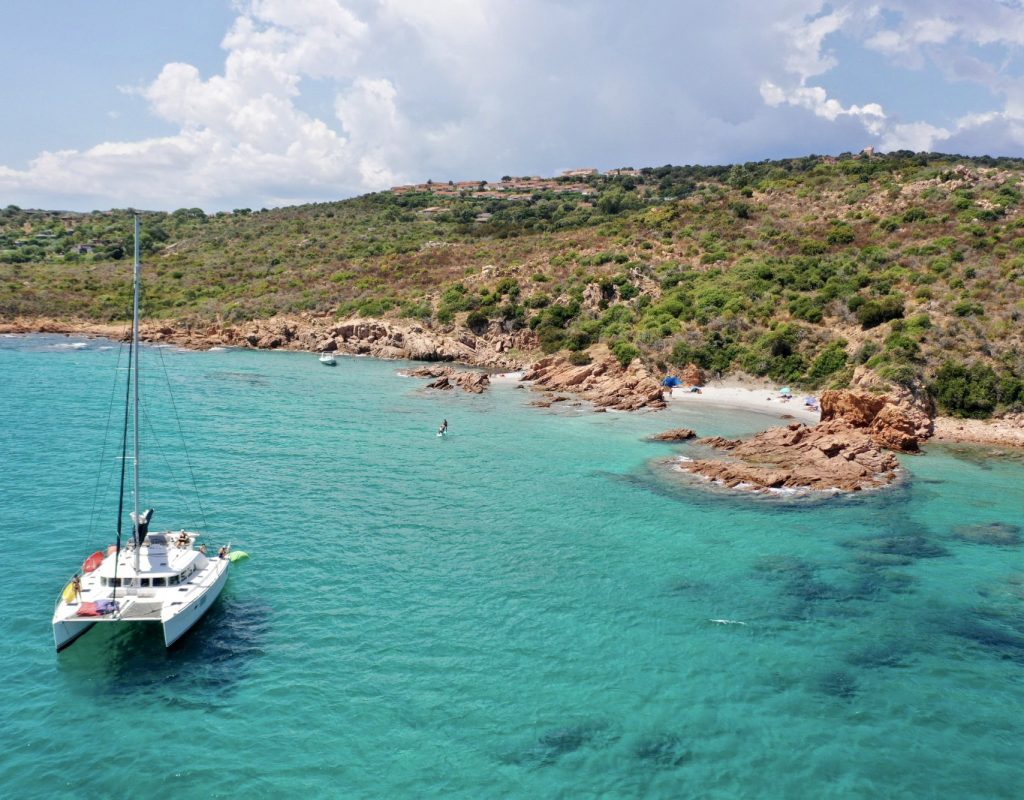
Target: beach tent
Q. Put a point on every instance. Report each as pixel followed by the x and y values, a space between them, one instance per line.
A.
pixel 810 401
pixel 671 380
pixel 786 391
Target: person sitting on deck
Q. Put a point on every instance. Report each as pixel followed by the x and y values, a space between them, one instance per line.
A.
pixel 223 553
pixel 182 540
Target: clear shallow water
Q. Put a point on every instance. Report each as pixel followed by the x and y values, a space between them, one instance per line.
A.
pixel 519 609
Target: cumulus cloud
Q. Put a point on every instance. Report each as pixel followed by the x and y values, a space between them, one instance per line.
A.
pixel 946 35
pixel 320 99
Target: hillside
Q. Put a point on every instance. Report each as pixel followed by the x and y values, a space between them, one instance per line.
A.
pixel 797 270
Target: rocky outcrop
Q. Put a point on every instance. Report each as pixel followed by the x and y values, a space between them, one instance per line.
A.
pixel 386 339
pixel 830 455
pixel 849 449
pixel 675 435
pixel 691 375
pixel 403 339
pixel 898 418
pixel 449 378
pixel 604 382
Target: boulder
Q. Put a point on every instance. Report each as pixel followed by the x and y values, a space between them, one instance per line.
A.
pixel 691 375
pixel 899 418
pixel 675 435
pixel 441 383
pixel 604 382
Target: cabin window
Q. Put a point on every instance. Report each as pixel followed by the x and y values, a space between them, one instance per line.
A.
pixel 145 582
pixel 174 580
pixel 159 581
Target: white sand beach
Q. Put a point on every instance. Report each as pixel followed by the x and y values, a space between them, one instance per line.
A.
pixel 765 401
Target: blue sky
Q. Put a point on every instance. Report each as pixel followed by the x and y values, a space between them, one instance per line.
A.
pixel 227 103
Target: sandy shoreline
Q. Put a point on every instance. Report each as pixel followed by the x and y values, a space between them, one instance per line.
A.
pixel 729 393
pixel 764 401
pixel 1008 432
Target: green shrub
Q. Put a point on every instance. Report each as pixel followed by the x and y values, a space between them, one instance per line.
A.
pixel 965 308
pixel 865 352
pixel 965 391
pixel 806 308
pixel 841 234
pixel 578 358
pixel 477 322
pixel 830 360
pixel 625 352
pixel 874 312
pixel 415 310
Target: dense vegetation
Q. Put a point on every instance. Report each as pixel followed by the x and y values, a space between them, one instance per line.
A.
pixel 796 270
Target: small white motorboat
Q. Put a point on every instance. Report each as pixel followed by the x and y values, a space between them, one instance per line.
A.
pixel 327 359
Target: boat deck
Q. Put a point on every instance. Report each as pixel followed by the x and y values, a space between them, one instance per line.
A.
pixel 130 611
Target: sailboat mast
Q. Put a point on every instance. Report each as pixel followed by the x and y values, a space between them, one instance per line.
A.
pixel 135 380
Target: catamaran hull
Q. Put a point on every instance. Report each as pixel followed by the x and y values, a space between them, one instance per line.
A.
pixel 67 631
pixel 66 634
pixel 183 621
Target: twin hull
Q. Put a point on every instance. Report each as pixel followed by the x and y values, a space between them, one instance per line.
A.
pixel 66 632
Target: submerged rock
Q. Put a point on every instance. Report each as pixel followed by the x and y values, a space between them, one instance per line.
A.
pixel 901 545
pixel 557 742
pixel 839 684
pixel 998 533
pixel 663 750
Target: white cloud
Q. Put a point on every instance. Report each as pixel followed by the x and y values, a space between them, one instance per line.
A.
pixel 815 99
pixel 917 136
pixel 321 99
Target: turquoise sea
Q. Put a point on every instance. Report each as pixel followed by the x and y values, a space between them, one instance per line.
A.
pixel 520 609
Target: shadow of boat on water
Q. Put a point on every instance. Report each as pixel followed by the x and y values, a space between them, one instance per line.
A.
pixel 130 660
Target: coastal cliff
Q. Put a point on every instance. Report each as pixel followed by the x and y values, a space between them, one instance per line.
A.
pixel 390 339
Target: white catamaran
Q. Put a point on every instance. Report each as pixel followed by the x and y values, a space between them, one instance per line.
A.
pixel 156 577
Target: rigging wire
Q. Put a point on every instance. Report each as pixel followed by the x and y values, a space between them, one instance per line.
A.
pixel 181 433
pixel 106 438
pixel 148 421
pixel 124 460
